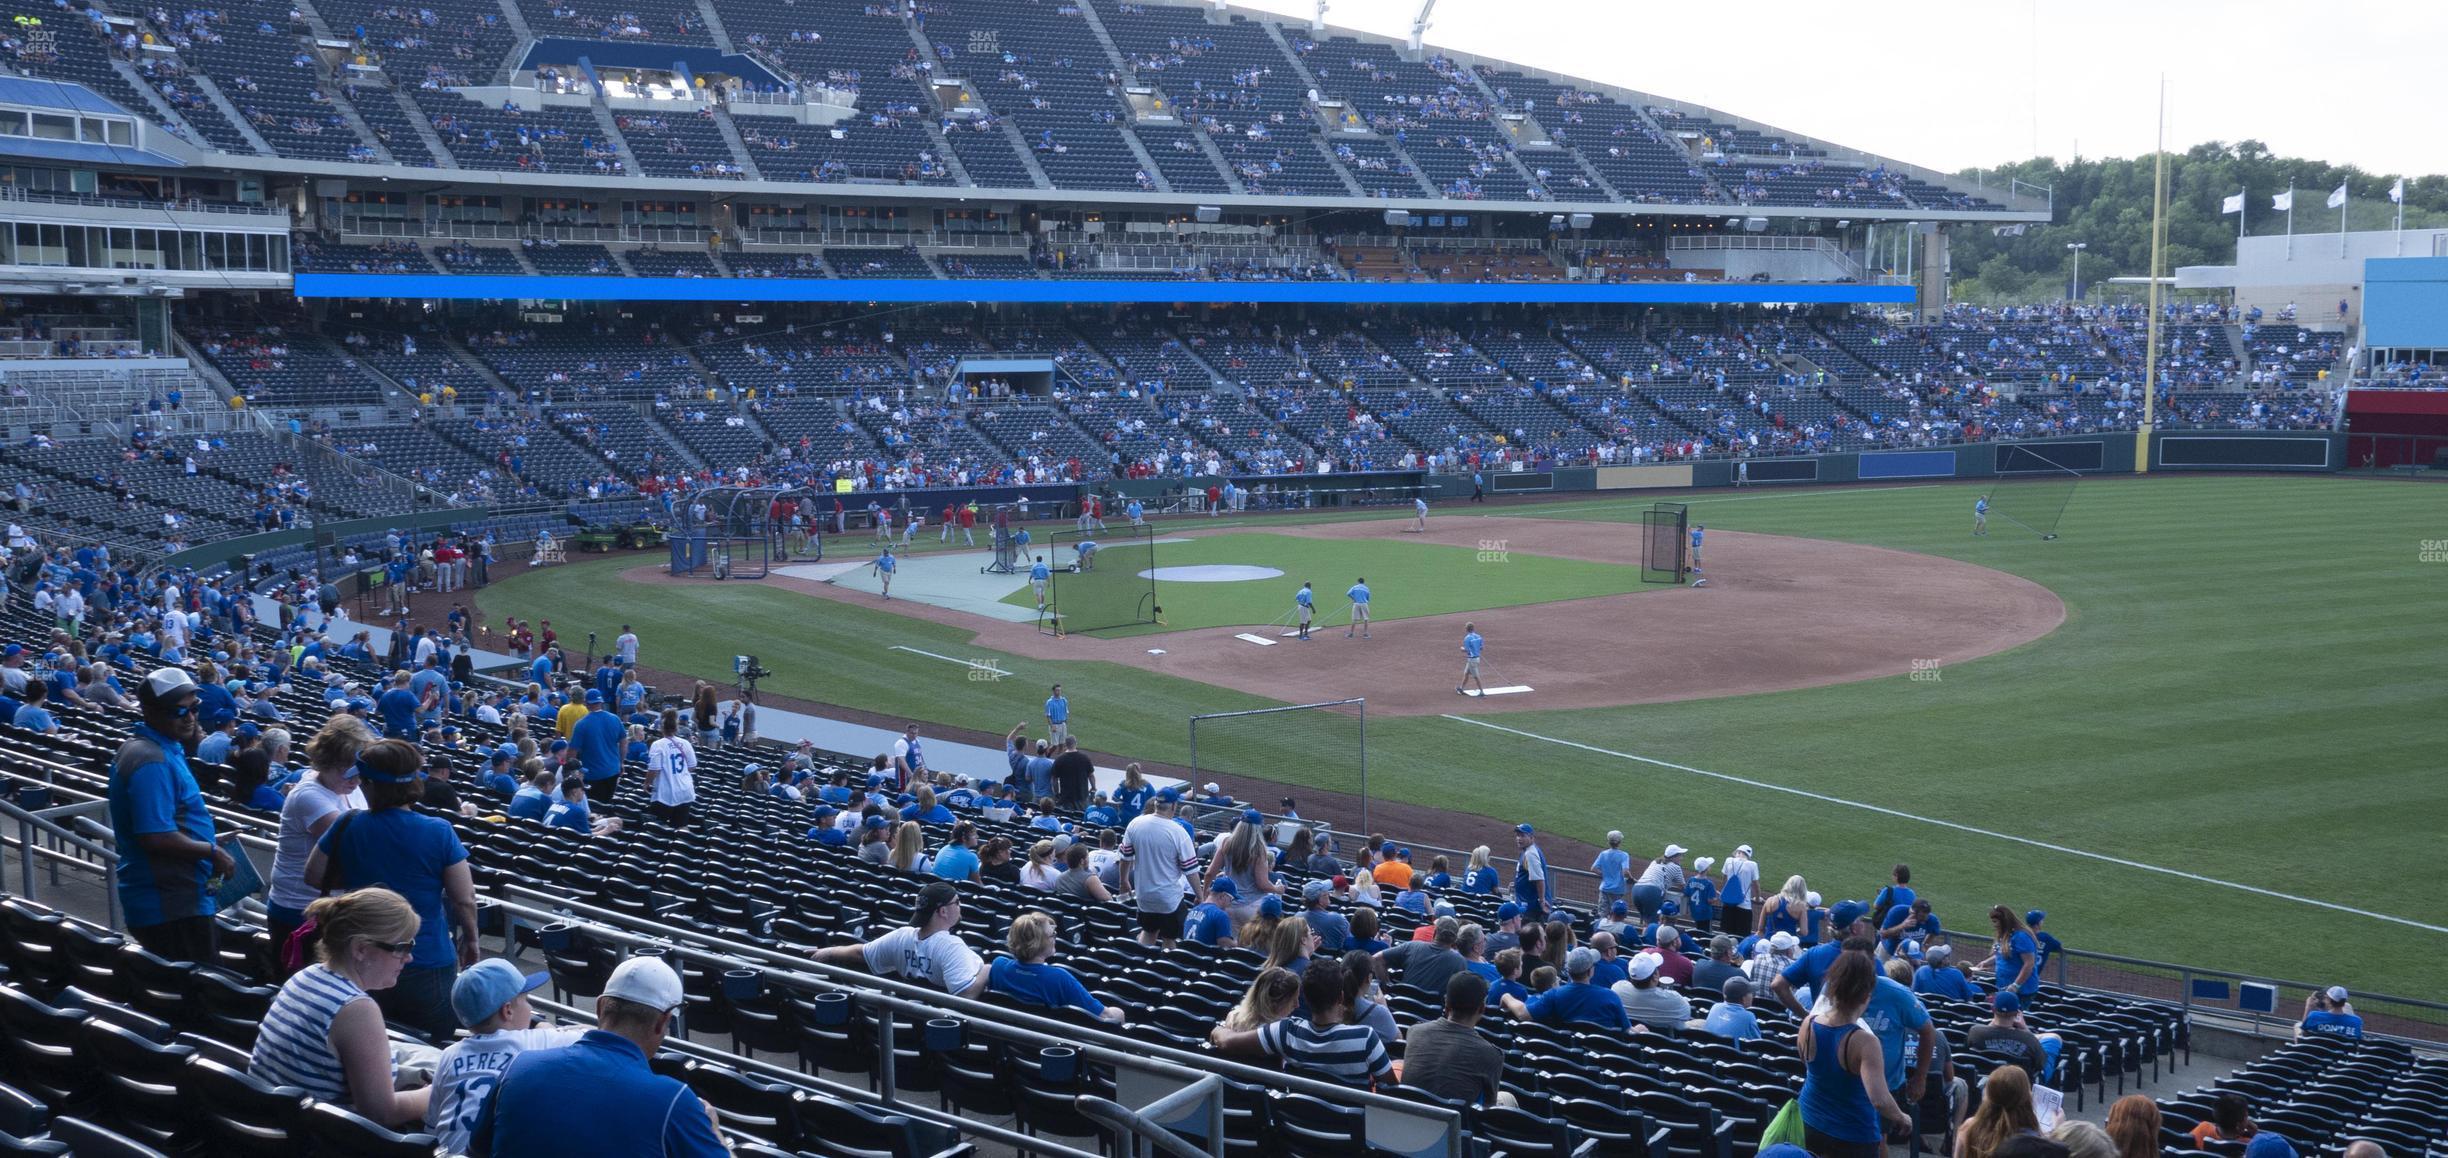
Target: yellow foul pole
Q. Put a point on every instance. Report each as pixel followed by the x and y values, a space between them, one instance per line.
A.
pixel 2150 372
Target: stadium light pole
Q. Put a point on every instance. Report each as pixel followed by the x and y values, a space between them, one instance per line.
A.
pixel 2078 247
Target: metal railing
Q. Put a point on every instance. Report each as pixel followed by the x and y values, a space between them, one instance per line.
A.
pixel 11 193
pixel 79 852
pixel 2407 1019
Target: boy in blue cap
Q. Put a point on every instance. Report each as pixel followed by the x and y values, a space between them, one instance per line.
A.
pixel 490 1000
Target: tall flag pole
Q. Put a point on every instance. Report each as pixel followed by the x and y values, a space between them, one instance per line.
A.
pixel 2286 201
pixel 2150 372
pixel 2397 194
pixel 2337 201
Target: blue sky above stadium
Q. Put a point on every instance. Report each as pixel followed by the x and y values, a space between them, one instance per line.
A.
pixel 1956 85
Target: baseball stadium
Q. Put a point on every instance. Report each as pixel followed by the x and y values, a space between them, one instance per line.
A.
pixel 931 578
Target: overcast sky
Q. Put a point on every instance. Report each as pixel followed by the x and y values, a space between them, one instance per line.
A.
pixel 1961 85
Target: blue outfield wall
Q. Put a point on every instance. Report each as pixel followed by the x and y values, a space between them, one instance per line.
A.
pixel 495 287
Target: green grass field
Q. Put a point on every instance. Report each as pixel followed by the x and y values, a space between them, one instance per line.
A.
pixel 1436 580
pixel 2248 688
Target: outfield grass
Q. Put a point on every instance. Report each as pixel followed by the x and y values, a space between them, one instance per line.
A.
pixel 1411 579
pixel 2248 687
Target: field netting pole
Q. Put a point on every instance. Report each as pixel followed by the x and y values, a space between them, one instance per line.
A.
pixel 1322 746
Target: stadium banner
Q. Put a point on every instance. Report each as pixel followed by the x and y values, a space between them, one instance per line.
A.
pixel 1908 464
pixel 1641 478
pixel 1521 481
pixel 505 287
pixel 2049 458
pixel 2312 451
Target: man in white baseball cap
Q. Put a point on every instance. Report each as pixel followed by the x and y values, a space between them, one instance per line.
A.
pixel 1662 879
pixel 1741 890
pixel 2327 1014
pixel 599 1096
pixel 167 859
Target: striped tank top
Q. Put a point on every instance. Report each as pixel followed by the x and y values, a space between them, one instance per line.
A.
pixel 294 1045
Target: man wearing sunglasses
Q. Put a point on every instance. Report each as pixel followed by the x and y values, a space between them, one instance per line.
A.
pixel 167 857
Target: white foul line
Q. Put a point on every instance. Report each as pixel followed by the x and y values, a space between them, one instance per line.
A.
pixel 2006 836
pixel 971 664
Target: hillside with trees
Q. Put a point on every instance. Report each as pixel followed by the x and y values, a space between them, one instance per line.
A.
pixel 2106 204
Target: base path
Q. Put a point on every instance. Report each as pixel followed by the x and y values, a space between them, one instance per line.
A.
pixel 1778 613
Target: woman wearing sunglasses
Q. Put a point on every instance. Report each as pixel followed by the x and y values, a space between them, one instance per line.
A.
pixel 323 1033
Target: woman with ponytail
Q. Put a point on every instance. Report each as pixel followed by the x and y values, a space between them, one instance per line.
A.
pixel 419 857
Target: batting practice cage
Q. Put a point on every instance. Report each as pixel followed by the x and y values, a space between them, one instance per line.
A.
pixel 1322 746
pixel 2033 490
pixel 1663 542
pixel 742 532
pixel 1102 579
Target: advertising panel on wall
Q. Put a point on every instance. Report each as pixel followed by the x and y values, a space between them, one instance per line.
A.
pixel 1908 464
pixel 2213 452
pixel 1634 478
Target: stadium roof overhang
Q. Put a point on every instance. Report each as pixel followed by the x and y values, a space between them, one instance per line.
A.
pixel 477 180
pixel 454 287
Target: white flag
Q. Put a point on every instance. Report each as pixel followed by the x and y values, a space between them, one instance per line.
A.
pixel 2397 191
pixel 2337 196
pixel 2233 204
pixel 2284 202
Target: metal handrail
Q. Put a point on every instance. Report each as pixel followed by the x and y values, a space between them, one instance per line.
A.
pixel 1142 1126
pixel 30 822
pixel 923 1002
pixel 2186 974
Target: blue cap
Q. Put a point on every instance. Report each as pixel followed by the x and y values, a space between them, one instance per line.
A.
pixel 1253 816
pixel 559 746
pixel 366 772
pixel 249 730
pixel 1403 852
pixel 1847 912
pixel 486 986
pixel 1619 909
pixel 1223 887
pixel 503 754
pixel 2035 916
pixel 2269 1145
pixel 360 704
pixel 450 729
pixel 594 695
pixel 218 717
pixel 1524 829
pixel 1271 907
pixel 825 810
pixel 2006 1001
pixel 1508 911
pixel 1169 795
pixel 878 822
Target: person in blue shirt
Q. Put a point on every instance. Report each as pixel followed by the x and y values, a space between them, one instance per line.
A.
pixel 2328 1014
pixel 398 707
pixel 1897 892
pixel 1913 922
pixel 431 686
pixel 958 859
pixel 571 811
pixel 1980 515
pixel 1211 922
pixel 608 678
pixel 925 809
pixel 1700 896
pixel 599 1095
pixel 2049 946
pixel 497 775
pixel 1610 865
pixel 167 857
pixel 1573 1000
pixel 540 671
pixel 1732 1018
pixel 1937 976
pixel 823 830
pixel 534 798
pixel 885 565
pixel 597 738
pixel 418 856
pixel 1901 1021
pixel 1058 715
pixel 1697 531
pixel 33 715
pixel 1472 647
pixel 1359 595
pixel 2014 954
pixel 1334 931
pixel 1026 977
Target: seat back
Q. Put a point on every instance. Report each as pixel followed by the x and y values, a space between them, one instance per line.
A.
pixel 87 1140
pixel 333 1132
pixel 242 1115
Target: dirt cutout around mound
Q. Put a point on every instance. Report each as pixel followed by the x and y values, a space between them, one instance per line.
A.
pixel 1778 613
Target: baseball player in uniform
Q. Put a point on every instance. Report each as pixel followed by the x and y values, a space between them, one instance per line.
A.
pixel 1980 515
pixel 1698 529
pixel 1305 603
pixel 1359 594
pixel 1472 646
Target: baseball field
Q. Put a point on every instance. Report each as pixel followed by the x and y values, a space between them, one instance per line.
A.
pixel 2202 726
